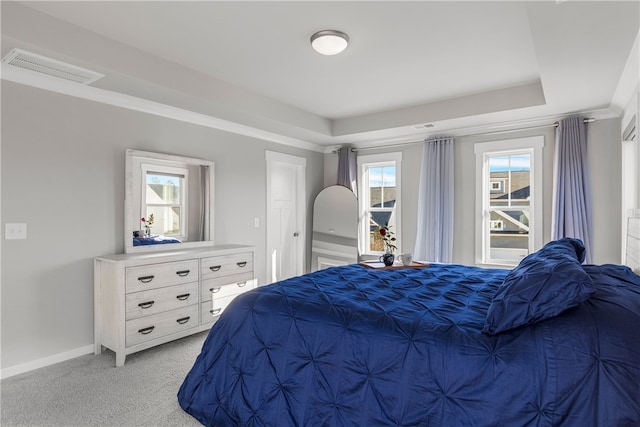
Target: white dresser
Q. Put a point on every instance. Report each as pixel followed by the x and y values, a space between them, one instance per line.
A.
pixel 143 300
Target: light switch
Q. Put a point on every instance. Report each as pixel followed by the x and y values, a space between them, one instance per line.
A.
pixel 15 231
pixel 256 222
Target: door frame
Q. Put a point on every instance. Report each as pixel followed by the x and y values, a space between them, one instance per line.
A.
pixel 300 163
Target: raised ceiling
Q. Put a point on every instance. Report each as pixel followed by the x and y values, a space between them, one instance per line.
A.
pixel 453 64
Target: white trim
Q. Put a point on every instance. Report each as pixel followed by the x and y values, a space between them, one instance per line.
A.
pixel 274 156
pixel 46 361
pixel 180 172
pixel 628 83
pixel 508 145
pixel 53 84
pixel 380 158
pixel 363 220
pixel 300 163
pixel 535 144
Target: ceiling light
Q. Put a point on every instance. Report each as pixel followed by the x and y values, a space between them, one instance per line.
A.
pixel 329 42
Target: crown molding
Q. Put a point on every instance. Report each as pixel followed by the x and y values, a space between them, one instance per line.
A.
pixel 628 83
pixel 53 84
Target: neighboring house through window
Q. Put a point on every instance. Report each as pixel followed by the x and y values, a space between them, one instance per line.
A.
pixel 508 200
pixel 379 199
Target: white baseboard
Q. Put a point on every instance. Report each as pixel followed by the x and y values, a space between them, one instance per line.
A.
pixel 45 361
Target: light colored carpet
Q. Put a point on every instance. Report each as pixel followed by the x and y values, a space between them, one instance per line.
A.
pixel 91 391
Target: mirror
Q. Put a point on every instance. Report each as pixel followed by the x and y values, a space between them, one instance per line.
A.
pixel 174 195
pixel 335 228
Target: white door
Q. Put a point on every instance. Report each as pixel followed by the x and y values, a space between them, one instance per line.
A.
pixel 285 216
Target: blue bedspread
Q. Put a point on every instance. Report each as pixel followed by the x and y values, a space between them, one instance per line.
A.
pixel 158 240
pixel 353 346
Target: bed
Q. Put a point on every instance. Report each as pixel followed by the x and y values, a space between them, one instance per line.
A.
pixel 551 342
pixel 155 240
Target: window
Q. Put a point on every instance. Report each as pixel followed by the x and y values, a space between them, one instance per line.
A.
pixel 379 199
pixel 496 225
pixel 508 200
pixel 497 186
pixel 165 197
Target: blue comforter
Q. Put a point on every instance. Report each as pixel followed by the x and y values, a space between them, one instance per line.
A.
pixel 353 346
pixel 157 240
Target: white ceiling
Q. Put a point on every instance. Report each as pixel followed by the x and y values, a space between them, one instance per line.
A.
pixel 454 64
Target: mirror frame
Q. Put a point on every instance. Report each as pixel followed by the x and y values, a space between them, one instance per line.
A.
pixel 130 191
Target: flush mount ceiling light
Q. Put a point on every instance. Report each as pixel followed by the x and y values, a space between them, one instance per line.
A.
pixel 329 42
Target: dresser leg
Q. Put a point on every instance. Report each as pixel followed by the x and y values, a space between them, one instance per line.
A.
pixel 120 359
pixel 97 348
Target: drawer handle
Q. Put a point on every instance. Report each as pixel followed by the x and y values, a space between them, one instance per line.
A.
pixel 182 273
pixel 147 304
pixel 215 290
pixel 145 331
pixel 241 263
pixel 215 267
pixel 146 279
pixel 183 297
pixel 215 312
pixel 183 320
pixel 242 284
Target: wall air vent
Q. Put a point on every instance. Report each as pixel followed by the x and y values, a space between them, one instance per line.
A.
pixel 41 64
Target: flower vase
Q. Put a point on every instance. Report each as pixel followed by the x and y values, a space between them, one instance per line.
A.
pixel 388 259
pixel 147 233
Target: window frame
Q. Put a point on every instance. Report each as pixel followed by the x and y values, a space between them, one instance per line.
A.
pixel 183 173
pixel 364 163
pixel 484 150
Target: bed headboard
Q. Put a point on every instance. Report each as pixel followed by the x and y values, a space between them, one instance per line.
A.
pixel 633 240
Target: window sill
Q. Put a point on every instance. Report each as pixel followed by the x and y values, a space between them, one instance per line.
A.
pixel 496 265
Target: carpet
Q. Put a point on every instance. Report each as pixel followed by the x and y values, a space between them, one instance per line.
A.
pixel 91 391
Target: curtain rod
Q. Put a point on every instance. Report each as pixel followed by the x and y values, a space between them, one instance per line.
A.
pixel 496 132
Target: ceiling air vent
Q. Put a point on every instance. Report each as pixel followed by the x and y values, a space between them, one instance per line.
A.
pixel 41 64
pixel 424 126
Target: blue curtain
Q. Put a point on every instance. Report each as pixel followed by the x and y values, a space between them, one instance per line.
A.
pixel 571 216
pixel 434 240
pixel 347 168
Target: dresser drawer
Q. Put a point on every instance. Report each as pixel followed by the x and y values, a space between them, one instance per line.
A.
pixel 225 265
pixel 226 286
pixel 147 303
pixel 211 310
pixel 158 275
pixel 151 327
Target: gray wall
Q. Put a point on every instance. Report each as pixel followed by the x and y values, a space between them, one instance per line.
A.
pixel 63 174
pixel 604 150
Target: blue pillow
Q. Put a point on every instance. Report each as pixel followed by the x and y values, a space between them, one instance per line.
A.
pixel 543 285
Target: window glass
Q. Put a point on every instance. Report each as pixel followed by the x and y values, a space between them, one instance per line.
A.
pixel 508 196
pixel 163 188
pixel 165 200
pixel 379 200
pixel 508 228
